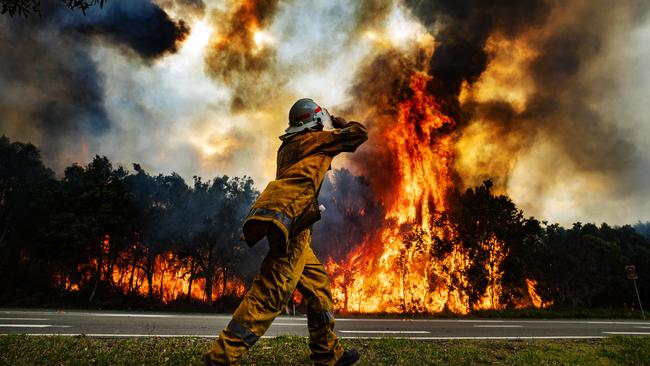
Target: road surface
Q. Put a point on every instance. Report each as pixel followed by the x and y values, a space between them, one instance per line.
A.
pixel 150 324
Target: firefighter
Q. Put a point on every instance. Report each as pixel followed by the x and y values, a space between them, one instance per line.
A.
pixel 284 214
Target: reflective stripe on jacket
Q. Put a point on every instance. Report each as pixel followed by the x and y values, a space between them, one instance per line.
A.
pixel 289 203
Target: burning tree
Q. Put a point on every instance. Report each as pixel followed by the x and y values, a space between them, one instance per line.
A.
pixel 190 234
pixel 435 249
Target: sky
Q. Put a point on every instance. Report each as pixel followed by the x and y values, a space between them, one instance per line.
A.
pixel 551 97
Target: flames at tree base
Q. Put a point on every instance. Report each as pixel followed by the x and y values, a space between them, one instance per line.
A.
pixel 166 277
pixel 416 262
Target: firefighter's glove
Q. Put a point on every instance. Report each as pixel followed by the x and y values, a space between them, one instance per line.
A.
pixel 339 122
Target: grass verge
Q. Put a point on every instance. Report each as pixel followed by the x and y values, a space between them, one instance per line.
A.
pixel 57 350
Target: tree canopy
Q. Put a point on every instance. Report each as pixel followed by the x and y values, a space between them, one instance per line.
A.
pixel 27 7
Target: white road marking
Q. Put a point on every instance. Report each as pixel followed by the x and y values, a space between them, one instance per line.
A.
pixel 386 331
pixel 619 323
pixel 302 318
pixel 493 321
pixel 127 315
pixel 479 321
pixel 643 327
pixel 628 333
pixel 33 326
pixel 290 324
pixel 110 335
pixel 498 326
pixel 26 319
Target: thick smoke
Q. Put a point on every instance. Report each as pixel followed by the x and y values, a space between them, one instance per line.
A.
pixel 561 154
pixel 547 96
pixel 461 29
pixel 52 91
pixel 525 81
pixel 240 55
pixel 139 25
pixel 52 94
pixel 379 86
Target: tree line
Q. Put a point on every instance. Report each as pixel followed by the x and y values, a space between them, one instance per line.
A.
pixel 578 267
pixel 26 7
pixel 100 234
pixel 582 266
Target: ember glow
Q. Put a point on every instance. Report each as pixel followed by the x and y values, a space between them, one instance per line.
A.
pixel 170 278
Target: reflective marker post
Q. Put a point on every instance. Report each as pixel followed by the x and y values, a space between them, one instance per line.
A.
pixel 639 298
pixel 630 271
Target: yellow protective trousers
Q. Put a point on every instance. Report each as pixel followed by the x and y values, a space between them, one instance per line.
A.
pixel 281 272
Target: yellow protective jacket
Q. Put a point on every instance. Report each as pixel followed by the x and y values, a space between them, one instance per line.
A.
pixel 289 204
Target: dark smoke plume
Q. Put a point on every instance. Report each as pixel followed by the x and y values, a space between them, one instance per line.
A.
pixel 564 81
pixel 52 93
pixel 139 25
pixel 379 87
pixel 567 98
pixel 464 27
pixel 563 107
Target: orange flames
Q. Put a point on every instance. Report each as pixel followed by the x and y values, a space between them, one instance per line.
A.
pixel 171 281
pixel 172 277
pixel 534 297
pixel 402 268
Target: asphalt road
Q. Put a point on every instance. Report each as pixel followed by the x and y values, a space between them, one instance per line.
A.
pixel 150 324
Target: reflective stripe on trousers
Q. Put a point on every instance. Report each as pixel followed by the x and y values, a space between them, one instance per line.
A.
pixel 270 292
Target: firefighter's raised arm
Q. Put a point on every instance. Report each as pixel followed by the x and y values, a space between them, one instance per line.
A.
pixel 346 137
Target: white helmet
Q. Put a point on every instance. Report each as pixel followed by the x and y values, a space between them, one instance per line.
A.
pixel 305 114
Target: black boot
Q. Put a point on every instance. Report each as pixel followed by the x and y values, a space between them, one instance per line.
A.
pixel 349 357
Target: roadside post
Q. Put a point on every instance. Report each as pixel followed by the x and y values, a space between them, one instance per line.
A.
pixel 630 271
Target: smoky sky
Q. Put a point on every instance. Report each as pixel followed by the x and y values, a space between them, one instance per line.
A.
pixel 568 38
pixel 139 25
pixel 566 154
pixel 567 104
pixel 560 129
pixel 462 28
pixel 52 92
pixel 238 60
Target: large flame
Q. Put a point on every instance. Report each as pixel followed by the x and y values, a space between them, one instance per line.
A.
pixel 416 263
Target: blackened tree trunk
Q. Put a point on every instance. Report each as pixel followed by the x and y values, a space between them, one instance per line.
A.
pixel 95 285
pixel 209 274
pixel 191 280
pixel 151 262
pixel 225 281
pixel 132 274
pixel 98 274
